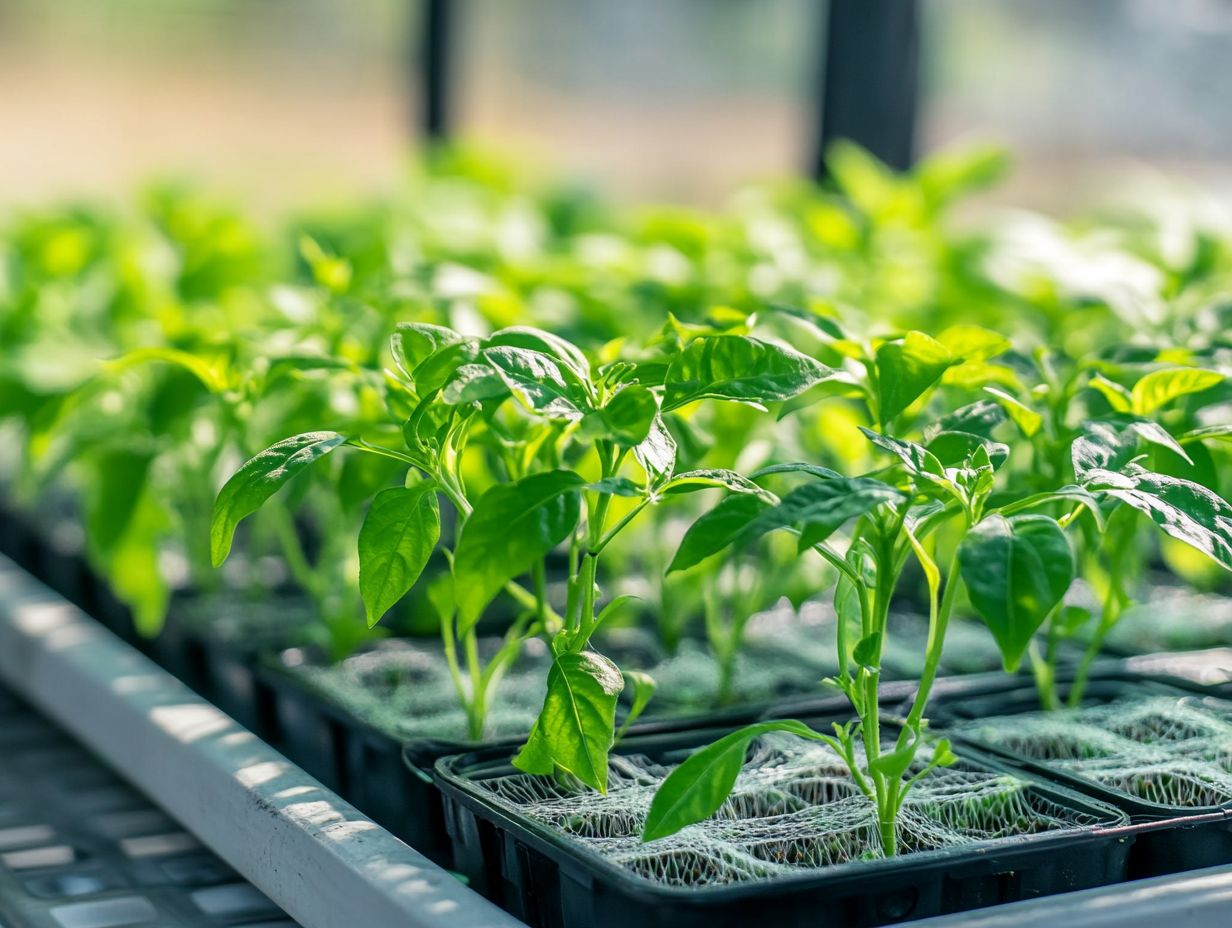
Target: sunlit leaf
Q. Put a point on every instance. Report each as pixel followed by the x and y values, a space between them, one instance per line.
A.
pixel 259 479
pixel 697 788
pixel 736 367
pixel 512 526
pixel 1158 388
pixel 1016 570
pixel 396 539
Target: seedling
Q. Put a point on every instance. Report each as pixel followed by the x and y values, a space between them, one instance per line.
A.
pixel 1016 563
pixel 526 403
pixel 1137 450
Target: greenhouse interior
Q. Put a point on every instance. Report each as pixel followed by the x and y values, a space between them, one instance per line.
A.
pixel 615 463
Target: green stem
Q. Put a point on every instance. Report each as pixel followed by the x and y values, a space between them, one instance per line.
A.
pixel 477 710
pixel 936 643
pixel 596 516
pixel 586 619
pixel 539 578
pixel 1043 667
pixel 887 817
pixel 616 529
pixel 1108 618
pixel 279 518
pixel 455 670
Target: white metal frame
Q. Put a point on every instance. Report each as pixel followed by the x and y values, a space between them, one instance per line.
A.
pixel 314 855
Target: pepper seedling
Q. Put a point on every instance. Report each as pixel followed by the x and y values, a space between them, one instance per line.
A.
pixel 530 402
pixel 1115 443
pixel 575 729
pixel 898 512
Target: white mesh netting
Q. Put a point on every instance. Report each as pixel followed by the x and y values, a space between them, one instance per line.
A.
pixel 1161 749
pixel 403 687
pixel 794 809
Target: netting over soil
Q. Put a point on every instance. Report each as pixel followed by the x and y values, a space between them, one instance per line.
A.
pixel 794 809
pixel 1161 749
pixel 403 686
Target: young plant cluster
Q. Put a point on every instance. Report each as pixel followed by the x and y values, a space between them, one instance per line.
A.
pixel 485 406
pixel 1002 501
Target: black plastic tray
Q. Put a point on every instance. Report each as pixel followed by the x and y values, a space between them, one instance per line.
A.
pixel 1171 838
pixel 542 878
pixel 390 778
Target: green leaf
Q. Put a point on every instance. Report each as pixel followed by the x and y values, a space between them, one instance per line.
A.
pixel 1118 397
pixel 978 418
pixel 133 567
pixel 709 478
pixel 398 536
pixel 1181 508
pixel 1069 620
pixel 1101 447
pixel 119 479
pixel 644 687
pixel 737 367
pixel 1016 570
pixel 657 454
pixel 414 342
pixel 442 366
pixel 868 183
pixel 1158 388
pixel 473 383
pixel 1152 433
pixel 211 375
pixel 951 173
pixel 796 467
pixel 716 529
pixel 819 509
pixel 893 764
pixel 700 785
pixel 1197 464
pixel 524 336
pixel 536 380
pixel 917 459
pixel 578 720
pixel 1221 432
pixel 535 758
pixel 973 343
pixel 513 525
pixel 614 606
pixel 867 652
pixel 1023 416
pixel 943 754
pixel 954 449
pixel 823 325
pixel 259 479
pixel 906 369
pixel 629 415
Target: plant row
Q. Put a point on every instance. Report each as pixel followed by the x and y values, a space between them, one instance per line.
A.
pixel 477 411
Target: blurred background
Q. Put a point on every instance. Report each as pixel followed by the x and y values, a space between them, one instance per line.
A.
pixel 286 100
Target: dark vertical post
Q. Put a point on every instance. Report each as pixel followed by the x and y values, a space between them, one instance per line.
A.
pixel 435 68
pixel 869 77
